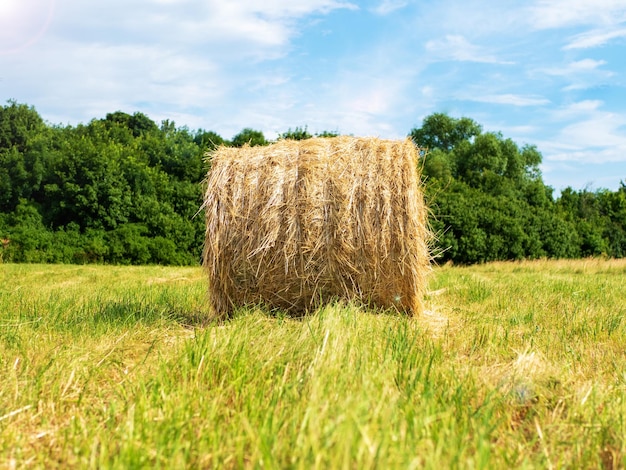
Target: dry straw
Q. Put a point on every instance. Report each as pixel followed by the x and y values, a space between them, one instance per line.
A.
pixel 299 223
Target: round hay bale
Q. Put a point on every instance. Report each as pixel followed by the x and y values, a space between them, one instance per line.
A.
pixel 299 223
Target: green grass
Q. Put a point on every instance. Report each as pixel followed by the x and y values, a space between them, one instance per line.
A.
pixel 515 365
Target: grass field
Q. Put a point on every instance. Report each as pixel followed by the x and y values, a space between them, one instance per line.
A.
pixel 515 365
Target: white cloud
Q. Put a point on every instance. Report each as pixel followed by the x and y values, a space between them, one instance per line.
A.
pixel 511 99
pixel 427 91
pixel 363 101
pixel 100 78
pixel 469 18
pixel 163 57
pixel 579 108
pixel 270 22
pixel 548 14
pixel 595 38
pixel 588 135
pixel 600 131
pixel 388 6
pixel 579 175
pixel 289 8
pixel 584 65
pixel 373 97
pixel 579 68
pixel 587 155
pixel 456 47
pixel 581 74
pixel 236 30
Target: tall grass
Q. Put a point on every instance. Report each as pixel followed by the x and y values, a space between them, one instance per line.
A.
pixel 515 365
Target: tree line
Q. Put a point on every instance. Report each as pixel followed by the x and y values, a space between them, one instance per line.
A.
pixel 125 190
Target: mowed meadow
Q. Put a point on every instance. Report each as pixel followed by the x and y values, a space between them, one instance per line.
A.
pixel 514 365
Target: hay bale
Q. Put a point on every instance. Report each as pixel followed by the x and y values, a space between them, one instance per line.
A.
pixel 299 223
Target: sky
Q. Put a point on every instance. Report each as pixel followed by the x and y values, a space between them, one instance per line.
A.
pixel 549 73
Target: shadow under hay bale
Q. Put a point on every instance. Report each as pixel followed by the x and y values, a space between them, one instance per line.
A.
pixel 299 223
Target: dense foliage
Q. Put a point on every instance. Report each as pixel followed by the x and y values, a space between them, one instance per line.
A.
pixel 490 203
pixel 125 190
pixel 117 190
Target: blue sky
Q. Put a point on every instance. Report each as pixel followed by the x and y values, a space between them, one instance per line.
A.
pixel 550 73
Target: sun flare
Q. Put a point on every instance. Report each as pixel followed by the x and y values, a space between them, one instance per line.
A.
pixel 23 23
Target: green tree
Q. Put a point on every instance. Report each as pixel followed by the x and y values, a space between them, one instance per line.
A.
pixel 299 133
pixel 27 238
pixel 327 134
pixel 138 123
pixel 208 140
pixel 23 151
pixel 18 124
pixel 85 184
pixel 599 219
pixel 249 136
pixel 440 131
pixel 486 193
pixel 175 152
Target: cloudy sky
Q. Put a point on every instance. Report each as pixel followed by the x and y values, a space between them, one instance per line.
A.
pixel 551 73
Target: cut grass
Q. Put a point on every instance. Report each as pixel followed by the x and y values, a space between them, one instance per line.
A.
pixel 515 365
